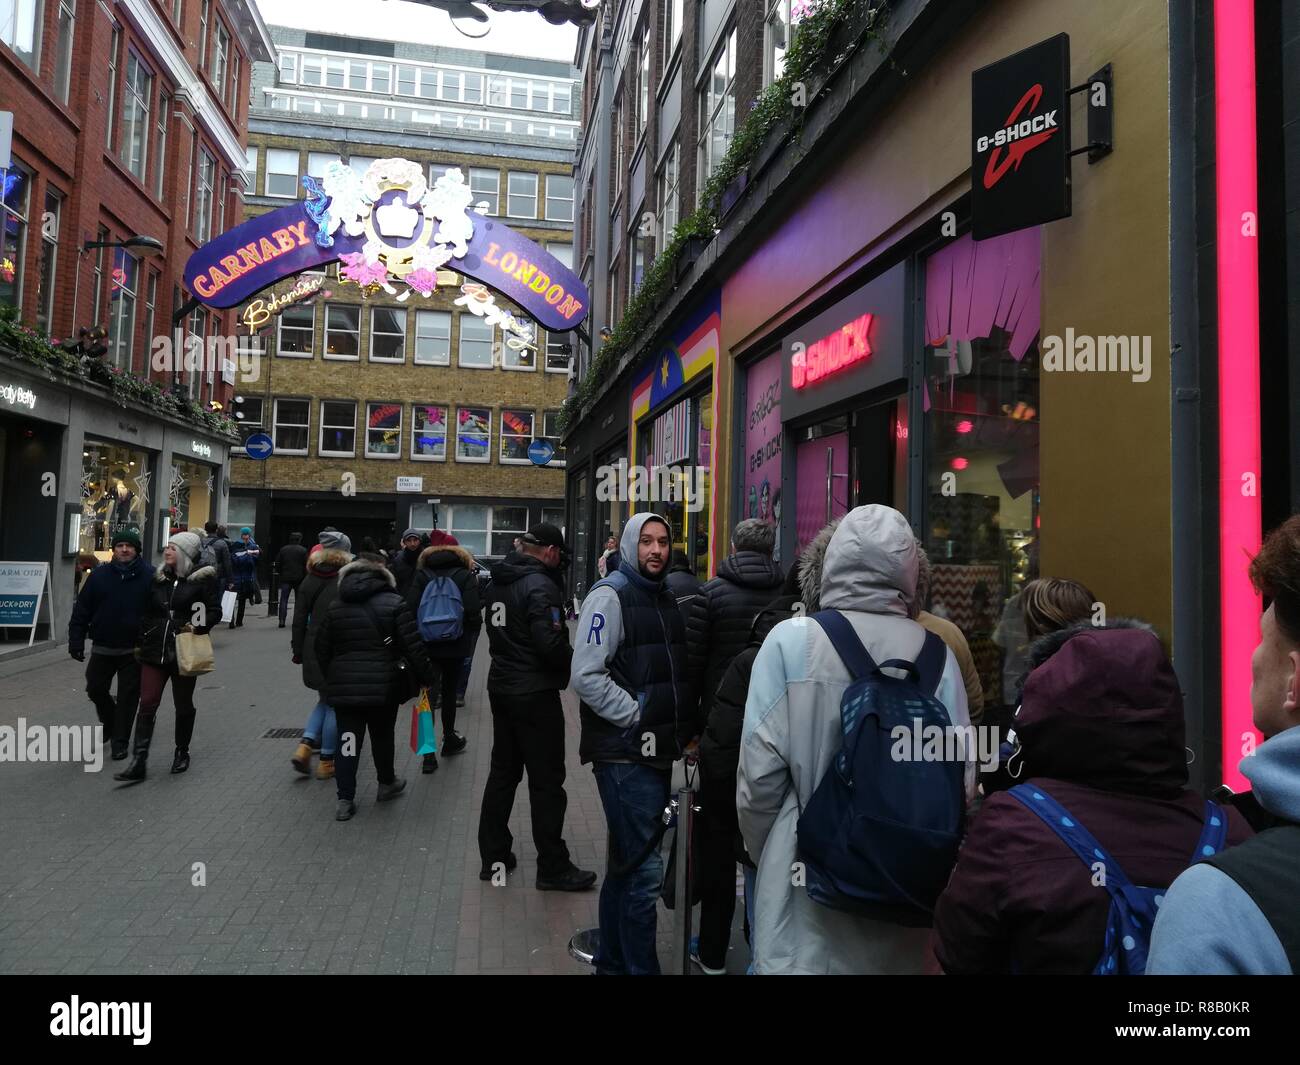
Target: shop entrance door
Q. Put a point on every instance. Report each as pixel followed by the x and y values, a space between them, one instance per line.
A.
pixel 822 480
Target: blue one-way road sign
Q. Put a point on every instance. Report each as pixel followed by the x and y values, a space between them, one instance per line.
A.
pixel 541 451
pixel 259 446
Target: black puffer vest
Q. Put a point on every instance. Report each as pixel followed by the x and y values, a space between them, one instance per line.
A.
pixel 650 664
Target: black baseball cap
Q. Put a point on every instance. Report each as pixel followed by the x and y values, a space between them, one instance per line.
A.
pixel 545 535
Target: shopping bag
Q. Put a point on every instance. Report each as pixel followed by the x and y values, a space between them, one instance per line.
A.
pixel 229 600
pixel 422 738
pixel 194 654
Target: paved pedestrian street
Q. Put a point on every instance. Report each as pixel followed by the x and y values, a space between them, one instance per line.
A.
pixel 238 865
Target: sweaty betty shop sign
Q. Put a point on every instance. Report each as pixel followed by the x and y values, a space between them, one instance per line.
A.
pixel 389 230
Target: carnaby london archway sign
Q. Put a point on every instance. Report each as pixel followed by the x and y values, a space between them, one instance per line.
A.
pixel 390 230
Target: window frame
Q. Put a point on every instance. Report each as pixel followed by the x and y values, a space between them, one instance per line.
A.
pixel 401 424
pixel 204 204
pixel 494 206
pixel 560 199
pixel 325 339
pixel 401 313
pixel 276 424
pixel 446 431
pixel 503 436
pixel 64 46
pixel 269 172
pixel 460 343
pixel 561 458
pixel 321 450
pixel 240 423
pixel 724 55
pixel 220 66
pixel 487 457
pixel 418 360
pixel 47 267
pixel 510 195
pixel 280 327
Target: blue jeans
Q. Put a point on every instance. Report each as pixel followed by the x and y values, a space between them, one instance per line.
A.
pixel 634 797
pixel 323 726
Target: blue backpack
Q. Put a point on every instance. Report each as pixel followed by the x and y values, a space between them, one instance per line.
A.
pixel 1132 908
pixel 441 616
pixel 879 835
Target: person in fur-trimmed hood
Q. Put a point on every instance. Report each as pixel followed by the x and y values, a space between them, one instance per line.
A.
pixel 456 564
pixel 185 597
pixel 367 638
pixel 312 601
pixel 1099 730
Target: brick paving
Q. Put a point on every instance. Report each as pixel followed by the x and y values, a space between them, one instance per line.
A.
pixel 97 876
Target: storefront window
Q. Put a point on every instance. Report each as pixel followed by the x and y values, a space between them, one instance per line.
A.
pixel 981 422
pixel 507 523
pixel 190 495
pixel 469 524
pixel 13 233
pixel 679 440
pixel 115 493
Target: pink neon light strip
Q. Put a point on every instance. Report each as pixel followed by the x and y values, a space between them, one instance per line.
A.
pixel 1239 448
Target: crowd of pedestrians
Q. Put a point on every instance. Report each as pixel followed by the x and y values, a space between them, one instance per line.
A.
pixel 1081 849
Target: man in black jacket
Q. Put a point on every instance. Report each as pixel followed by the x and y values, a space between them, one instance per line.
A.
pixel 109 607
pixel 290 569
pixel 529 642
pixel 216 542
pixel 717 630
pixel 406 561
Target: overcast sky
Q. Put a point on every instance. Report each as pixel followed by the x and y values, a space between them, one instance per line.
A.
pixel 512 33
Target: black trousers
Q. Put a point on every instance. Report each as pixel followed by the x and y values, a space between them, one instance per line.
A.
pixel 527 734
pixel 715 858
pixel 116 715
pixel 245 590
pixel 448 670
pixel 353 723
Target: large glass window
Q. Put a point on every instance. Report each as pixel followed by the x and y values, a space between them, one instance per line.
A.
pixel 551 432
pixel 642 98
pixel 776 39
pixel 717 110
pixel 249 415
pixel 121 327
pixel 313 70
pixel 666 193
pixel 338 428
pixel 115 485
pixel 486 187
pixel 318 161
pixel 220 56
pixel 476 340
pixel 63 48
pixel 507 524
pixel 292 420
pixel 433 338
pixel 387 334
pixel 429 432
pixel 160 145
pixel 469 524
pixel 473 88
pixel 297 328
pixel 383 430
pixel 617 163
pixel 406 81
pixel 189 496
pixel 114 57
pixel 342 331
pixel 522 195
pixel 981 444
pixel 516 435
pixel 473 434
pixel 559 198
pixel 49 259
pixel 289 67
pixel 135 114
pixel 205 12
pixel 203 200
pixel 20 29
pixel 562 99
pixel 282 173
pixel 672 24
pixel 335 72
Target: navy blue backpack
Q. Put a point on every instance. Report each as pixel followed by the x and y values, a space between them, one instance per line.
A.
pixel 1132 908
pixel 880 835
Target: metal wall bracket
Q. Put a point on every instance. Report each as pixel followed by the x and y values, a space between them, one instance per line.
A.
pixel 1101 114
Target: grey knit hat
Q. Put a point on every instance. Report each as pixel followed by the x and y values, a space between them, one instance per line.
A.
pixel 334 538
pixel 188 543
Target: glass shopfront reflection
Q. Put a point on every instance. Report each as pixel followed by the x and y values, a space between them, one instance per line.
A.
pixel 115 492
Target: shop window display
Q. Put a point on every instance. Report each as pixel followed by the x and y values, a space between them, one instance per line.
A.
pixel 981 417
pixel 114 496
pixel 190 496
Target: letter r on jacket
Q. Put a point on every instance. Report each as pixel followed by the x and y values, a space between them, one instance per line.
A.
pixel 597 623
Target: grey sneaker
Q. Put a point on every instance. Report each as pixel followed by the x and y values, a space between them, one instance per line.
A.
pixel 391 791
pixel 344 810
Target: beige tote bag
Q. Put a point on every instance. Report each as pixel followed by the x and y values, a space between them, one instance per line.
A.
pixel 194 654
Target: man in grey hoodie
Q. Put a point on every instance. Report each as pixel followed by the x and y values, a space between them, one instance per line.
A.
pixel 1236 913
pixel 629 670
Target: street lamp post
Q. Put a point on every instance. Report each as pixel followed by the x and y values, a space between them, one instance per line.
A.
pixel 150 244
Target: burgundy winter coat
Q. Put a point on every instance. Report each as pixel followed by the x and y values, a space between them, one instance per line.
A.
pixel 1101 729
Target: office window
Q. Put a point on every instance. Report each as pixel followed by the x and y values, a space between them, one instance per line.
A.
pixel 559 198
pixel 100 235
pixel 292 422
pixel 338 428
pixel 450 85
pixel 561 99
pixel 49 259
pixel 114 57
pixel 514 354
pixel 616 161
pixel 642 99
pixel 204 14
pixel 473 434
pixel 406 81
pixel 248 412
pixel 198 324
pixel 642 253
pixel 318 161
pixel 551 432
pixel 335 72
pixel 433 338
pixel 160 144
pixel 297 328
pixel 521 200
pixel 361 163
pixel 220 56
pixel 136 96
pixel 473 88
pixel 313 70
pixel 203 201
pixel 557 352
pixel 387 334
pixel 383 430
pixel 429 432
pixel 381 77
pixel 717 110
pixel 63 48
pixel 150 309
pixel 282 173
pixel 232 86
pixel 250 169
pixel 507 523
pixel 289 68
pixel 486 186
pixel 497 89
pixel 476 341
pixel 469 524
pixel 519 94
pixel 429 84
pixel 672 23
pixel 516 435
pixel 436 170
pixel 776 37
pixel 563 252
pixel 342 331
pixel 358 74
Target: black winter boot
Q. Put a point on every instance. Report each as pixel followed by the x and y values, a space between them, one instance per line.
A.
pixel 182 760
pixel 140 756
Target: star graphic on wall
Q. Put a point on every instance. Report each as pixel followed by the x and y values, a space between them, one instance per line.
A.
pixel 177 484
pixel 663 371
pixel 208 482
pixel 142 486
